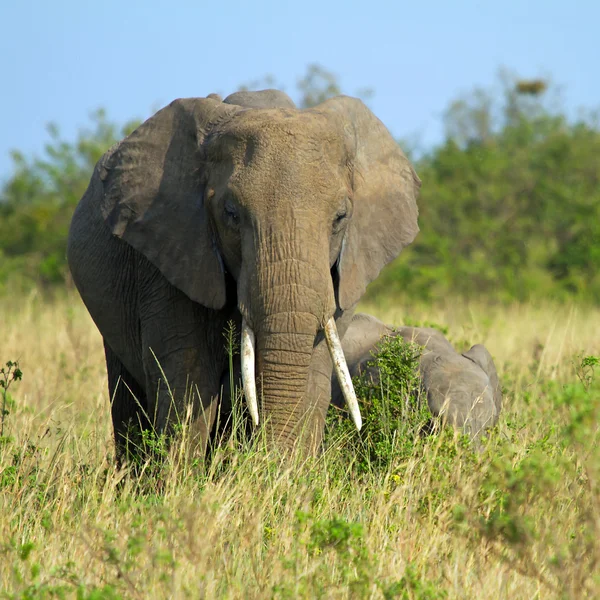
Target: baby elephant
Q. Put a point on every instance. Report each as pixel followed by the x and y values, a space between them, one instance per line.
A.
pixel 462 388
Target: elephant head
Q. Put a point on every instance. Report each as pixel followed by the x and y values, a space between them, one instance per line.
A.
pixel 297 209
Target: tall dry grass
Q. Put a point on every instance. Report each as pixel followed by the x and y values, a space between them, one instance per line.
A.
pixel 518 519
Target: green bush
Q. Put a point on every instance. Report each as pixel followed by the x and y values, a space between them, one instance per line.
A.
pixel 392 411
pixel 509 212
pixel 37 203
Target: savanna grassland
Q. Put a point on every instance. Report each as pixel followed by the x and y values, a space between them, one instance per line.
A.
pixel 421 515
pixel 509 211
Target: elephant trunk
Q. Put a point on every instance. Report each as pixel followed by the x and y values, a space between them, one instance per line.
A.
pixel 284 353
pixel 339 363
pixel 289 300
pixel 285 296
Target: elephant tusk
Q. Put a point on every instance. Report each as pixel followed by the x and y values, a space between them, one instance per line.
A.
pixel 341 370
pixel 248 379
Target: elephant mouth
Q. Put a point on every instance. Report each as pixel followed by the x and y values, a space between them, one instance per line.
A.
pixel 248 360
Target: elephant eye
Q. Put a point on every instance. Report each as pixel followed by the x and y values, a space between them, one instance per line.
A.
pixel 231 214
pixel 339 219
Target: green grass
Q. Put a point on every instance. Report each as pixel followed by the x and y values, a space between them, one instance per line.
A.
pixel 396 512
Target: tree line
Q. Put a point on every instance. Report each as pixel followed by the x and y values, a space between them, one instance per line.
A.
pixel 509 206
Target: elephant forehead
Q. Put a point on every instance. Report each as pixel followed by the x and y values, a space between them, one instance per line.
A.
pixel 283 152
pixel 282 122
pixel 280 136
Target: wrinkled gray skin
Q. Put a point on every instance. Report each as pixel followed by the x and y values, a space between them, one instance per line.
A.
pixel 216 210
pixel 462 388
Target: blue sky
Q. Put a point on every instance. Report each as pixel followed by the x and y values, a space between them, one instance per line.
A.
pixel 62 59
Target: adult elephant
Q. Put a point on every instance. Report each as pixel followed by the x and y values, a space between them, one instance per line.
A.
pixel 248 210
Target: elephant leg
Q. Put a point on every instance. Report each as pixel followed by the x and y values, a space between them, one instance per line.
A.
pixel 128 406
pixel 183 356
pixel 180 390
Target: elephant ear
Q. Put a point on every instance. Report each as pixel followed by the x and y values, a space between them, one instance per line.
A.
pixel 153 197
pixel 385 190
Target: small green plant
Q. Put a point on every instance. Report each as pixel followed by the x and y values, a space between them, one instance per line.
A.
pixel 232 349
pixel 321 541
pixel 61 581
pixel 8 375
pixel 585 370
pixel 397 363
pixel 337 545
pixel 412 587
pixel 392 412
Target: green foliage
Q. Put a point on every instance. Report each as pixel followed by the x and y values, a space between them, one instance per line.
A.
pixel 37 203
pixel 391 407
pixel 344 541
pixel 337 536
pixel 586 370
pixel 519 485
pixel 61 582
pixel 509 206
pixel 397 363
pixel 412 587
